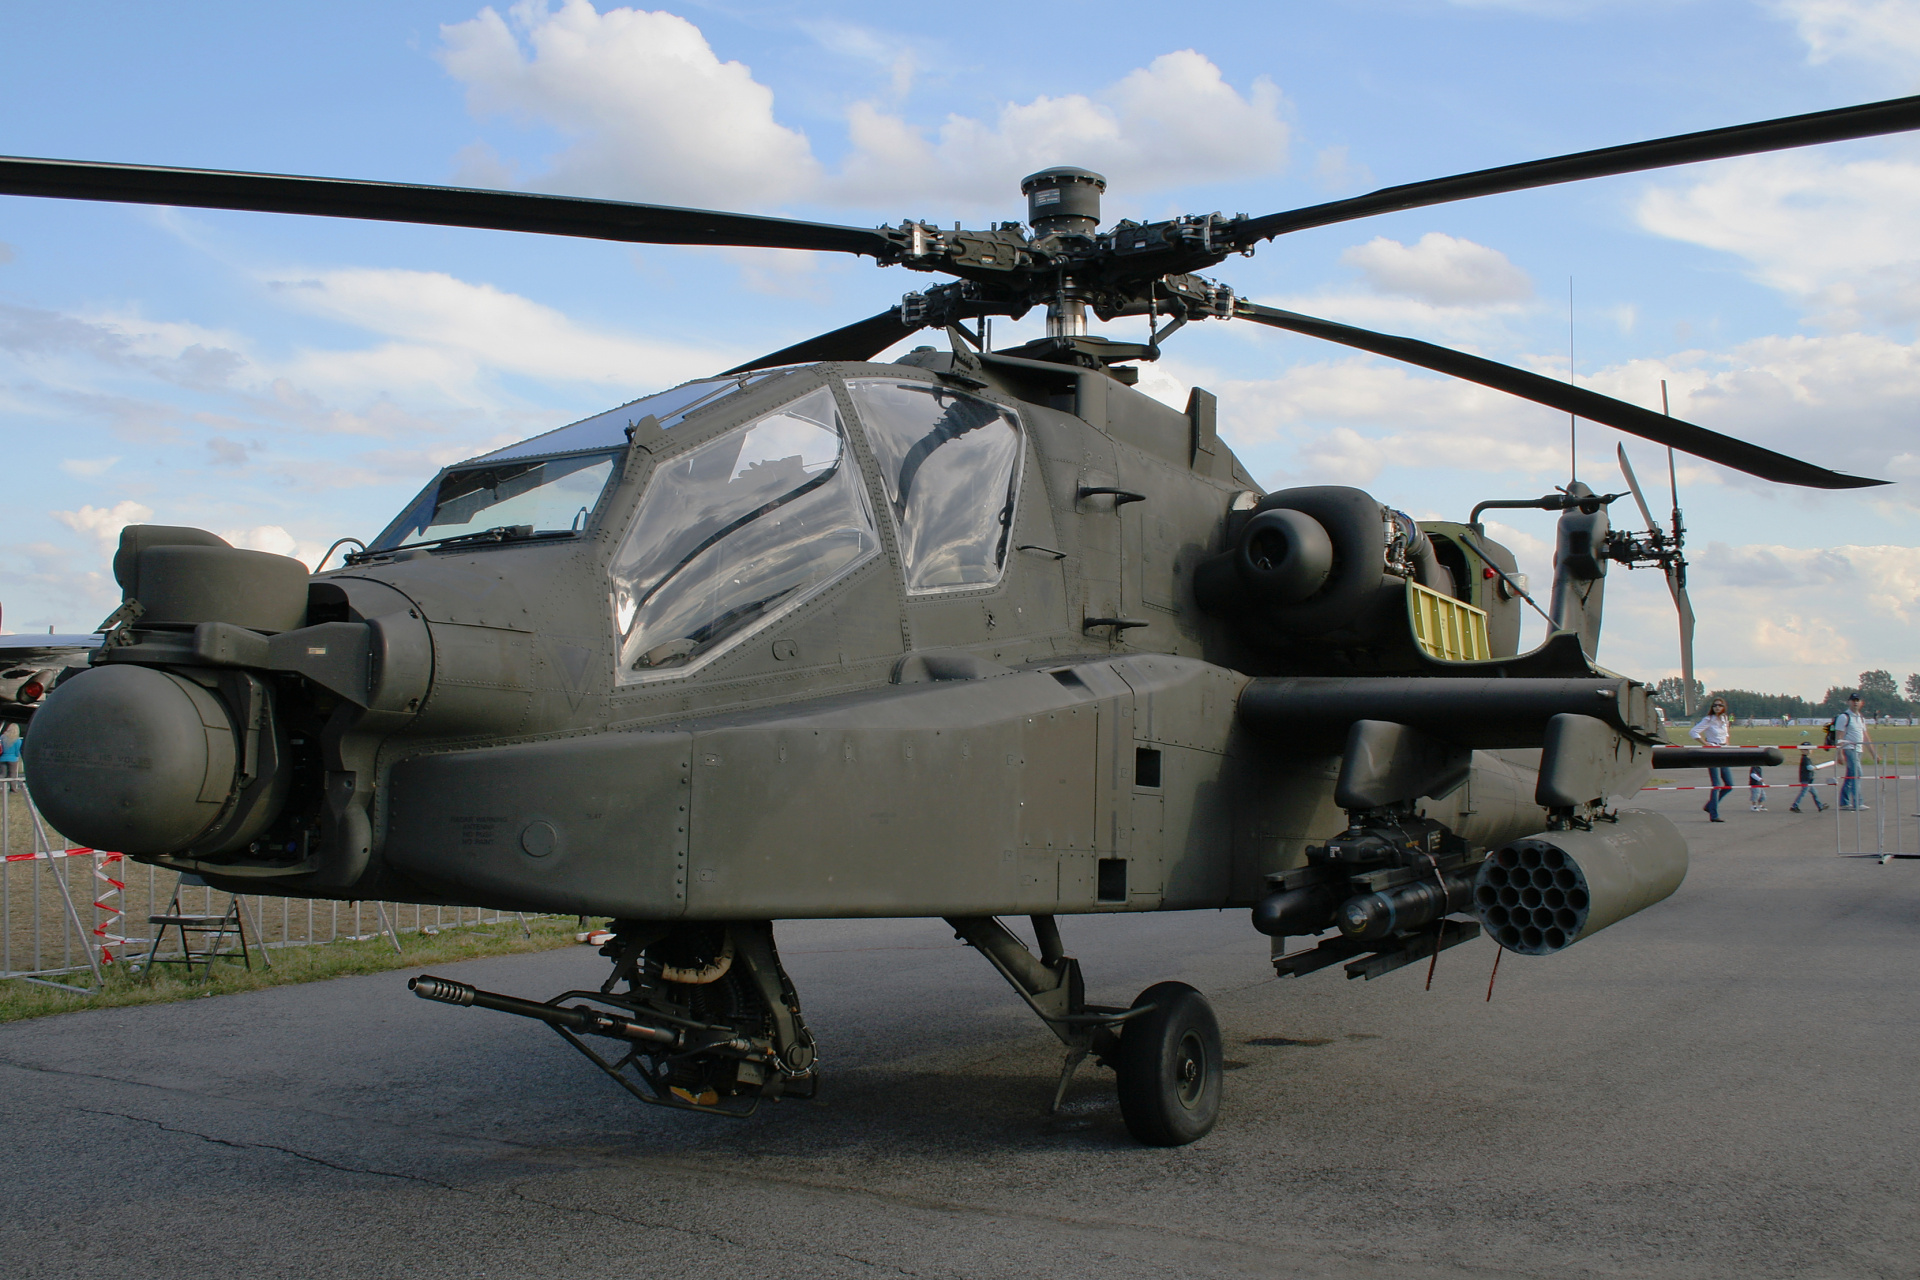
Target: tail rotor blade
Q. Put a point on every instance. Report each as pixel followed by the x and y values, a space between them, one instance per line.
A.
pixel 1673 487
pixel 1677 586
pixel 1633 483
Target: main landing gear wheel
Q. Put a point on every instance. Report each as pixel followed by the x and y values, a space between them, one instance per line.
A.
pixel 1169 1064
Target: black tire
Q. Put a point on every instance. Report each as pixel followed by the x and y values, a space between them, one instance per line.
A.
pixel 1169 1064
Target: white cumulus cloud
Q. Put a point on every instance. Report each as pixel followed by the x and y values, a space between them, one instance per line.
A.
pixel 448 330
pixel 648 111
pixel 1172 122
pixel 102 525
pixel 1797 619
pixel 1440 269
pixel 1835 235
pixel 272 537
pixel 1882 31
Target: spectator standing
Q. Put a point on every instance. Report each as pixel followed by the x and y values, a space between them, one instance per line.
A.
pixel 1715 730
pixel 1850 732
pixel 1757 789
pixel 1806 779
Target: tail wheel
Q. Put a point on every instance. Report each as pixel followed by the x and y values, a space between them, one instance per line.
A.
pixel 1169 1064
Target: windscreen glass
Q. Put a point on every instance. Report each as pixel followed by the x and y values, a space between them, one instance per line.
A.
pixel 951 464
pixel 530 499
pixel 736 532
pixel 609 430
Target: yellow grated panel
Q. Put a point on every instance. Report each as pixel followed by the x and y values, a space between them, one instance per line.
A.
pixel 1446 628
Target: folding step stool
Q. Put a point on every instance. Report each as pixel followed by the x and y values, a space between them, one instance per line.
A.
pixel 199 927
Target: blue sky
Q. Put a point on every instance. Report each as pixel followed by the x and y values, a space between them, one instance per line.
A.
pixel 287 381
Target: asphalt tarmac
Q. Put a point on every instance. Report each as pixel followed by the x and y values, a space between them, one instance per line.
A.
pixel 1724 1085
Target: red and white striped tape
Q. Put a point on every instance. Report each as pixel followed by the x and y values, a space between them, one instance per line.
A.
pixel 106 901
pixel 47 855
pixel 104 898
pixel 1824 782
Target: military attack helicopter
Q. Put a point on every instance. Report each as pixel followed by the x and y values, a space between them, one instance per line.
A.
pixel 971 634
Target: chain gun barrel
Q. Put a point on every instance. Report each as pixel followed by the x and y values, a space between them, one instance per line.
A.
pixel 579 1018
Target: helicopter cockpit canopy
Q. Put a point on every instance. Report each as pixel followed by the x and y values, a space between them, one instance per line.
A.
pixel 950 463
pixel 543 498
pixel 547 485
pixel 736 531
pixel 745 527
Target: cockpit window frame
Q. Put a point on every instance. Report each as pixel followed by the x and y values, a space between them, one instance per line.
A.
pixel 1016 479
pixel 430 492
pixel 745 413
pixel 753 393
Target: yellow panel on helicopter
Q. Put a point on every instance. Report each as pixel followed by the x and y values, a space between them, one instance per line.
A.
pixel 1448 629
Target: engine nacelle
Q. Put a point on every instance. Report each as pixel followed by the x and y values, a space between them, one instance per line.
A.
pixel 1322 563
pixel 1543 893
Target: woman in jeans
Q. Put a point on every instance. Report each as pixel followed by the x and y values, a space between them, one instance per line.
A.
pixel 1713 731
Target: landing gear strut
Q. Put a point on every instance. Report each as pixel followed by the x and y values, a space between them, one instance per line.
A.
pixel 1165 1048
pixel 708 1014
pixel 709 1021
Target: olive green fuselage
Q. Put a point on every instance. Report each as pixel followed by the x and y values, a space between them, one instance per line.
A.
pixel 875 753
pixel 955 636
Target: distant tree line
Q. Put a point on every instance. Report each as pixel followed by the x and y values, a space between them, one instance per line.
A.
pixel 1883 696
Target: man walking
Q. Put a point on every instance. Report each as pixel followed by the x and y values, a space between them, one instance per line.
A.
pixel 1850 732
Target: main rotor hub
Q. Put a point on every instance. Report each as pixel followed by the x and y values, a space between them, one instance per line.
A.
pixel 1063 201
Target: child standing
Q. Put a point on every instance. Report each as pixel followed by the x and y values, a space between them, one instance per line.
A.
pixel 1806 780
pixel 1757 789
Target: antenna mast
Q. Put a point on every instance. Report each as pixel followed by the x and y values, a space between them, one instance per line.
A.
pixel 1573 423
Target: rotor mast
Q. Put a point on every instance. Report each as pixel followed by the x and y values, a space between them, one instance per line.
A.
pixel 1064 201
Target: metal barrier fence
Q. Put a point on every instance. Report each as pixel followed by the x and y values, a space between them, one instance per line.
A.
pixel 1884 821
pixel 67 911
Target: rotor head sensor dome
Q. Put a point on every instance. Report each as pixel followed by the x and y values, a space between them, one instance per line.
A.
pixel 131 758
pixel 184 586
pixel 183 577
pixel 1063 201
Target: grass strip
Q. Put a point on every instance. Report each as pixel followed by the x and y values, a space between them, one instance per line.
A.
pixel 168 982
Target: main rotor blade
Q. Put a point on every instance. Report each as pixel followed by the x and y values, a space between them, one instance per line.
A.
pixel 1872 119
pixel 862 340
pixel 434 206
pixel 1633 484
pixel 1632 419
